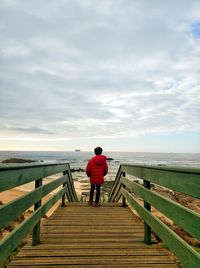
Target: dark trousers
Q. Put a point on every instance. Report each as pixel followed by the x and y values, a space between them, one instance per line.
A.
pixel 98 188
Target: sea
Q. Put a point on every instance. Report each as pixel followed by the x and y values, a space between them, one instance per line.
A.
pixel 78 161
pixel 80 157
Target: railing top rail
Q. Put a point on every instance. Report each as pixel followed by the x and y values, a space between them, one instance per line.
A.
pixel 181 179
pixel 11 166
pixel 18 174
pixel 182 169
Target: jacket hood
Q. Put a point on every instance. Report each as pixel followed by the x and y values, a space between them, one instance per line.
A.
pixel 99 160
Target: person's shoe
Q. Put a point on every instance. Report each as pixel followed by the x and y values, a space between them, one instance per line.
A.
pixel 97 205
pixel 90 203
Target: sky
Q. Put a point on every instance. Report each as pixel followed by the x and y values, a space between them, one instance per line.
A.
pixel 121 74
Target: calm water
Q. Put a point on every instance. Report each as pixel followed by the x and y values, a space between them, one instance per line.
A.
pixel 79 160
pixel 172 159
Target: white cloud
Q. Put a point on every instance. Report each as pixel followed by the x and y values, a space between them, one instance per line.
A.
pixel 98 68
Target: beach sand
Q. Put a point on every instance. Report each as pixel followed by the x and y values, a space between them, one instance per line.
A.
pixel 10 195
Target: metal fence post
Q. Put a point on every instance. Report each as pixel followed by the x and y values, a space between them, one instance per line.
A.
pixel 36 229
pixel 147 228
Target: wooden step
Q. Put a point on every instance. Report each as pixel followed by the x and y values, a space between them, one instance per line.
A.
pixel 83 236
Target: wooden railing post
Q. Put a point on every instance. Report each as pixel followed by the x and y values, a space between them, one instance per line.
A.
pixel 147 228
pixel 64 184
pixel 36 228
pixel 63 197
pixel 123 198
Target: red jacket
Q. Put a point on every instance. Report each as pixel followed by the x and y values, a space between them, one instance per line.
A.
pixel 96 169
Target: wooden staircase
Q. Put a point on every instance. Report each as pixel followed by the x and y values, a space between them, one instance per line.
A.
pixel 79 235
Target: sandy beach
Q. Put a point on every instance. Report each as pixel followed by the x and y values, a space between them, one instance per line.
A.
pixel 10 195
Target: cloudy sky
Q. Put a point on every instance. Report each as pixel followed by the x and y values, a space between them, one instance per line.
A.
pixel 123 74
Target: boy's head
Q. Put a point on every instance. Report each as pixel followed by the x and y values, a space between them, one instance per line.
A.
pixel 98 150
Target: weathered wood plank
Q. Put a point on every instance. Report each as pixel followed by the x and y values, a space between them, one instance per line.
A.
pixel 61 260
pixel 118 265
pixel 92 252
pixel 117 193
pixel 85 246
pixel 70 195
pixel 178 179
pixel 14 176
pixel 182 169
pixel 186 183
pixel 116 183
pixel 45 245
pixel 92 230
pixel 71 186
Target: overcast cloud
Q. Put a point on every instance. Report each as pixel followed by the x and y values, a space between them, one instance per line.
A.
pixel 98 69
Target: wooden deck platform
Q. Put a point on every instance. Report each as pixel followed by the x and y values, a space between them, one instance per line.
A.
pixel 84 236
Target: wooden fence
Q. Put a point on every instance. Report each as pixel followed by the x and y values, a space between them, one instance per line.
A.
pixel 184 180
pixel 15 175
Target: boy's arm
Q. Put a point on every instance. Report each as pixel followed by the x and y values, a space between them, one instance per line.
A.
pixel 88 169
pixel 105 169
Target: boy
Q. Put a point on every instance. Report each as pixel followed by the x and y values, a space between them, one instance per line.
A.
pixel 96 169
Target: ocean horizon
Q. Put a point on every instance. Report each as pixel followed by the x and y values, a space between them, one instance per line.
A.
pixel 80 157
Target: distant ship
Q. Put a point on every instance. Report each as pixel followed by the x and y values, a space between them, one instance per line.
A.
pixel 77 150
